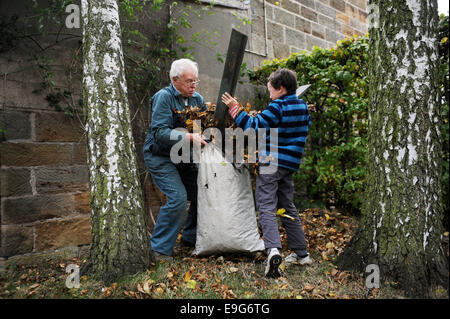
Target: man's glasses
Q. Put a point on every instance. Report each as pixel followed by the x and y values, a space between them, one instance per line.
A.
pixel 191 82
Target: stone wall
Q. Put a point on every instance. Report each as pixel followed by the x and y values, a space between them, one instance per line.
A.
pixel 296 25
pixel 43 173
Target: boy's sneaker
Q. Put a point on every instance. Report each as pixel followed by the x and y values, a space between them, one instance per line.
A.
pixel 296 259
pixel 273 262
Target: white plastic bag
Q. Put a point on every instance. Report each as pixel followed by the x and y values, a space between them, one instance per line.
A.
pixel 226 220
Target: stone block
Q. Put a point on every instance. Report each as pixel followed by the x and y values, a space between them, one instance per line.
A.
pixel 15 182
pixel 62 233
pixel 325 10
pixel 351 11
pixel 16 125
pixel 313 41
pixel 283 17
pixel 290 6
pixel 308 3
pixel 308 14
pixel 317 30
pixel 357 25
pixel 61 179
pixel 338 5
pixel 58 127
pixel 343 17
pixel 257 45
pixel 257 26
pixel 332 24
pixel 359 3
pixel 362 16
pixel 333 36
pixel 20 95
pixel 16 240
pixel 81 202
pixel 79 154
pixel 281 50
pixel 257 8
pixel 302 25
pixel 275 32
pixel 41 259
pixel 31 209
pixel 35 154
pixel 295 38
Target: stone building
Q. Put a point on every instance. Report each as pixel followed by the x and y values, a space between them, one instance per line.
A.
pixel 43 172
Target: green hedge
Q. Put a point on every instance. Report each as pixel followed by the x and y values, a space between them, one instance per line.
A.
pixel 333 168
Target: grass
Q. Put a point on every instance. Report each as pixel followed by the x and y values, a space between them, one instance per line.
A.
pixel 218 276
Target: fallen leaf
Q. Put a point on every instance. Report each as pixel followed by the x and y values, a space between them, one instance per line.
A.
pixel 147 287
pixel 33 286
pixel 191 284
pixel 139 288
pixel 188 276
pixel 282 266
pixel 309 287
pixel 234 269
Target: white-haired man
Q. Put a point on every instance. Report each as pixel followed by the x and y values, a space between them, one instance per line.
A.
pixel 177 181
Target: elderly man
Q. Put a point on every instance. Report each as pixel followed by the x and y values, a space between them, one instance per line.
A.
pixel 177 181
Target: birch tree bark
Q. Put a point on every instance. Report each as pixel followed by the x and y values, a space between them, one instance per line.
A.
pixel 401 223
pixel 120 244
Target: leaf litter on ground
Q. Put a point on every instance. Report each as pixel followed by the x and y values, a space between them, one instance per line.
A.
pixel 224 276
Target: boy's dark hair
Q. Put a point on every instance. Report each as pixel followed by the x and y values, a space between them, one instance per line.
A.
pixel 286 78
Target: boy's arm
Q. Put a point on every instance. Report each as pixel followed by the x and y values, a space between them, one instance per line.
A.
pixel 268 118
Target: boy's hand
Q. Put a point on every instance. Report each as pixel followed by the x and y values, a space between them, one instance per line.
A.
pixel 228 100
pixel 231 102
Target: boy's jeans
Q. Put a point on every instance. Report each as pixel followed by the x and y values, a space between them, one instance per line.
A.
pixel 275 191
pixel 179 183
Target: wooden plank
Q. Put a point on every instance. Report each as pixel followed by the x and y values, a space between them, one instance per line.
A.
pixel 231 70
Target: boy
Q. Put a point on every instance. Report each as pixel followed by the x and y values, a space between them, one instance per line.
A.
pixel 274 190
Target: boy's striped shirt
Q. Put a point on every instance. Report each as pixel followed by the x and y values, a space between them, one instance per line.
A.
pixel 291 117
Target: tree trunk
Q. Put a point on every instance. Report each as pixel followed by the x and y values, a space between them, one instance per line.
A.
pixel 120 243
pixel 401 223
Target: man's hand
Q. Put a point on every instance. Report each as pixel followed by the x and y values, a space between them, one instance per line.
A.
pixel 196 138
pixel 228 100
